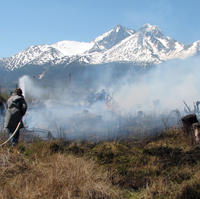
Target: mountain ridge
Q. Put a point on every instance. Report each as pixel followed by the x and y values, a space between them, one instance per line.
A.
pixel 148 45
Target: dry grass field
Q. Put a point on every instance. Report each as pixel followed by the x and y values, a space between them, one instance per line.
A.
pixel 161 166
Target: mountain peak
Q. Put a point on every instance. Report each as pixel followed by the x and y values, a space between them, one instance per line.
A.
pixel 150 29
pixel 118 28
pixel 119 44
pixel 111 38
pixel 121 28
pixel 150 26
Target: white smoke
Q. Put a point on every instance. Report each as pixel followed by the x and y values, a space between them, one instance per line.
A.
pixel 61 108
pixel 155 93
pixel 170 84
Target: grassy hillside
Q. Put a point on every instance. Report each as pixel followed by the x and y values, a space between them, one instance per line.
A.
pixel 164 166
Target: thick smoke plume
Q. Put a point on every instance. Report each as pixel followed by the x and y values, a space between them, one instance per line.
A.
pixel 168 84
pixel 146 102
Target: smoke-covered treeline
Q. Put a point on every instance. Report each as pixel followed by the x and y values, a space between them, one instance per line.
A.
pixel 143 100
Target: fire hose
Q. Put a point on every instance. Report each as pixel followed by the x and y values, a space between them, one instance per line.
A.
pixel 17 128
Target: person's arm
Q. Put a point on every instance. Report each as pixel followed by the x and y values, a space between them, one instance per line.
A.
pixel 24 107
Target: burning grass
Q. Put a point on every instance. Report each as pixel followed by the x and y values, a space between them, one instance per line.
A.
pixel 163 166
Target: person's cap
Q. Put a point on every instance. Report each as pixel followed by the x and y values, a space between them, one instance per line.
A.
pixel 18 91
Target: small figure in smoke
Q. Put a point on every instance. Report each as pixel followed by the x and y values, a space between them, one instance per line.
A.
pixel 16 107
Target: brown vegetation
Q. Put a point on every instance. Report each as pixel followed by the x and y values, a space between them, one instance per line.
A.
pixel 53 176
pixel 163 166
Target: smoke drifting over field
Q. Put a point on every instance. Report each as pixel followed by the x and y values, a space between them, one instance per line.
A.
pixel 144 102
pixel 169 83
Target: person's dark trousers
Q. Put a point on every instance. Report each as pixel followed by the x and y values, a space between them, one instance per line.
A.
pixel 15 138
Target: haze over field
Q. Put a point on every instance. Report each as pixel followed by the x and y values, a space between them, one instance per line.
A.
pixel 100 110
pixel 140 67
pixel 112 88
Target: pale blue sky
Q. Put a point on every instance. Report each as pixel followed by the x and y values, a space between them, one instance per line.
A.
pixel 32 22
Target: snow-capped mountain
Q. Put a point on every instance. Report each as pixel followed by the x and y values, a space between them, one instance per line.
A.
pixel 148 45
pixel 110 38
pixel 46 53
pixel 65 51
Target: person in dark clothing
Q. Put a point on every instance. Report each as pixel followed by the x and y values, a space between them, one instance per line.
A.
pixel 2 107
pixel 16 107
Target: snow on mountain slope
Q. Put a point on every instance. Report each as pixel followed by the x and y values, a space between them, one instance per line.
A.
pixel 148 45
pixel 70 48
pixel 190 50
pixel 110 38
pixel 62 50
pixel 40 53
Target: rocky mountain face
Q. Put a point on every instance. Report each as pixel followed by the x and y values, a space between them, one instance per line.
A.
pixel 146 46
pixel 120 45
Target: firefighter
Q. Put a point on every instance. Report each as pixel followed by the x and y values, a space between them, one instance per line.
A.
pixel 16 107
pixel 2 101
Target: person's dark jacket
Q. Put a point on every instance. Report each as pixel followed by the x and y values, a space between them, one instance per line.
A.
pixel 15 109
